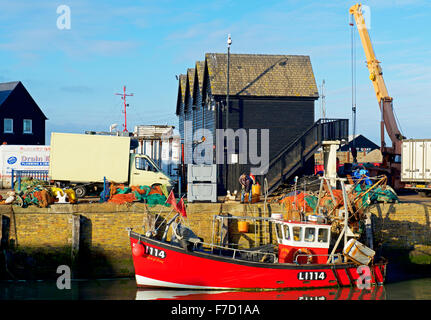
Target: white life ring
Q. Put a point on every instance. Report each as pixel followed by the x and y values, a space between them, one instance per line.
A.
pixel 303 251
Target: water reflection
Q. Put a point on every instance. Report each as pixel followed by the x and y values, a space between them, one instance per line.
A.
pixel 125 289
pixel 375 293
pixel 109 289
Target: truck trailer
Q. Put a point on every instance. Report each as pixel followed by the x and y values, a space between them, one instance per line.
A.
pixel 416 165
pixel 83 161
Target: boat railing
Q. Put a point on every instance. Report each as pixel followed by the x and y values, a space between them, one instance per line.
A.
pixel 234 252
pixel 334 258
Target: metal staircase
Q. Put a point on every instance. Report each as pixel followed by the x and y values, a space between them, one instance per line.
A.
pixel 295 154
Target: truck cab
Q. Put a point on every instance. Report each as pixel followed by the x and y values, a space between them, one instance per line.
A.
pixel 145 172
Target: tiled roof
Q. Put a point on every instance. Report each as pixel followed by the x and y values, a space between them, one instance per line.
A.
pixel 191 78
pixel 262 75
pixel 181 91
pixel 360 142
pixel 200 65
pixel 183 80
pixel 5 89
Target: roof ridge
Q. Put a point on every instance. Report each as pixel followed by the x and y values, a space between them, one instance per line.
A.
pixel 257 54
pixel 7 85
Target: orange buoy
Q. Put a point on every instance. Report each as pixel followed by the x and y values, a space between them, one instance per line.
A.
pixel 243 226
pixel 138 249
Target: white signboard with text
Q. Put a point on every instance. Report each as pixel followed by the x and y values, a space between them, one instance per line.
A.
pixel 22 157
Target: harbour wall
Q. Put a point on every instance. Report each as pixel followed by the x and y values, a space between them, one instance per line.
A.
pixel 402 231
pixel 92 238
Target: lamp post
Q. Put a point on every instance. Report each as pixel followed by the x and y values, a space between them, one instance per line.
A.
pixel 229 42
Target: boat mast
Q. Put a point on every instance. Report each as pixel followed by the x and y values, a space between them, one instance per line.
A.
pixel 346 215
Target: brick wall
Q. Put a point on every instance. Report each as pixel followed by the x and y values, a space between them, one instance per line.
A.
pixel 402 225
pixel 44 235
pixel 403 235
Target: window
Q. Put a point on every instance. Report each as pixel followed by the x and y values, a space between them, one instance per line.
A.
pixel 323 235
pixel 278 231
pixel 310 234
pixel 397 158
pixel 8 126
pixel 27 126
pixel 297 233
pixel 286 232
pixel 144 164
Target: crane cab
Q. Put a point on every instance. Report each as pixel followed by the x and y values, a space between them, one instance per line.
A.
pixel 302 242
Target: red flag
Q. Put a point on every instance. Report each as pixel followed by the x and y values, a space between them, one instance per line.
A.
pixel 172 201
pixel 181 208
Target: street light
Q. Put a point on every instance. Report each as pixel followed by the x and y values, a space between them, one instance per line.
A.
pixel 229 42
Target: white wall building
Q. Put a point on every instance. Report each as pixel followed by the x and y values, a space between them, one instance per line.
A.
pixel 161 144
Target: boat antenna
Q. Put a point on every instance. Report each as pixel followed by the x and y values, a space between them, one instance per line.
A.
pixel 296 181
pixel 303 205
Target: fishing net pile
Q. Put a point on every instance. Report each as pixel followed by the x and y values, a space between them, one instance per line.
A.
pixel 38 192
pixel 361 194
pixel 120 194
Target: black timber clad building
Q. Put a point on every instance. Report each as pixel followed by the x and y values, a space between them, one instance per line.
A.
pixel 361 143
pixel 275 92
pixel 22 122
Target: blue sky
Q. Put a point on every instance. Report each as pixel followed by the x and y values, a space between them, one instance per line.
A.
pixel 73 74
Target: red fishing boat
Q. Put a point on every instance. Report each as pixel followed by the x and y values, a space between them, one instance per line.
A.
pixel 300 259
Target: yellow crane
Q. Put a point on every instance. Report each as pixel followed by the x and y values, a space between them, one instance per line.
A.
pixel 385 101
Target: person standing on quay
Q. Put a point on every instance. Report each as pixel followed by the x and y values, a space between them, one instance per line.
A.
pixel 246 183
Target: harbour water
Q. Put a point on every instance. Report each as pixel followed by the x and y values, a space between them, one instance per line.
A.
pixel 125 289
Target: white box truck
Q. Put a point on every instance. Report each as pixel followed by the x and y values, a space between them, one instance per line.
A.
pixel 22 157
pixel 82 161
pixel 416 165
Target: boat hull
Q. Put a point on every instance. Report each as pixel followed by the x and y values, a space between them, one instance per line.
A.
pixel 164 265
